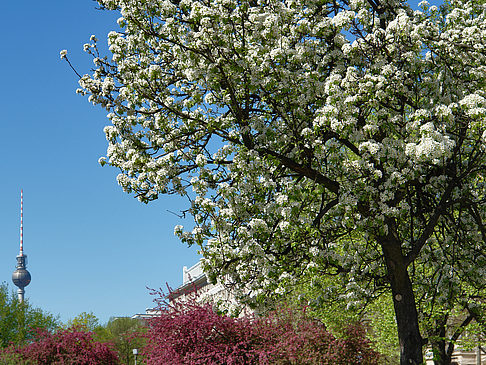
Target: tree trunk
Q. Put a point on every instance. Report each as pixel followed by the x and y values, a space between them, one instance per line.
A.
pixel 403 301
pixel 438 342
pixel 440 353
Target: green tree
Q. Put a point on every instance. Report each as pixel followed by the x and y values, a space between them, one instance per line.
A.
pixel 320 295
pixel 348 136
pixel 125 334
pixel 86 321
pixel 19 321
pixel 455 314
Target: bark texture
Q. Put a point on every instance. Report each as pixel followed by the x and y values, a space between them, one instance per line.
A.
pixel 409 336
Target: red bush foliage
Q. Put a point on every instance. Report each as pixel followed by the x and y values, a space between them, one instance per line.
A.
pixel 190 334
pixel 66 347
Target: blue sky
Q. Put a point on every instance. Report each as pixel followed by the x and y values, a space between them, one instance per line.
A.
pixel 91 247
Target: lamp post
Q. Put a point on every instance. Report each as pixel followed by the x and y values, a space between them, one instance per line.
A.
pixel 135 353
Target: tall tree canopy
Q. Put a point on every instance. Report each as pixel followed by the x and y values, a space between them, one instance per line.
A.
pixel 20 321
pixel 345 136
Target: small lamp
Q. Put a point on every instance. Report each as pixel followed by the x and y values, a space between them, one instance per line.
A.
pixel 135 353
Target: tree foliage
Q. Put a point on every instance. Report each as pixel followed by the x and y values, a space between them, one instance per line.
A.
pixel 125 334
pixel 348 136
pixel 86 321
pixel 321 298
pixel 19 321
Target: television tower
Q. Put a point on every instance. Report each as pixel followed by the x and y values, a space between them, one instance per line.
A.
pixel 21 277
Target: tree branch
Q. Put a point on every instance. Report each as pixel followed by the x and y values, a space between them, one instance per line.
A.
pixel 457 333
pixel 429 228
pixel 303 170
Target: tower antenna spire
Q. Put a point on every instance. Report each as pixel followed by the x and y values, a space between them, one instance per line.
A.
pixel 21 221
pixel 21 277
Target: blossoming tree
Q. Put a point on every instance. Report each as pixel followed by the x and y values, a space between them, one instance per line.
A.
pixel 348 136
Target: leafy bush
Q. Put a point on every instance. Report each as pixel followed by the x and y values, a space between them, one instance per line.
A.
pixel 193 333
pixel 64 347
pixel 8 358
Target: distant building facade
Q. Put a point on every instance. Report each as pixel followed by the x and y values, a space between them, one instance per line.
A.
pixel 194 280
pixel 463 357
pixel 149 313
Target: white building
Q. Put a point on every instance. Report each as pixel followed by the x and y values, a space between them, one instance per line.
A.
pixel 195 281
pixel 149 313
pixel 462 357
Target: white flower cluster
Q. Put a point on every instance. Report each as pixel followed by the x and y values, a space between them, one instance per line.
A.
pixel 433 145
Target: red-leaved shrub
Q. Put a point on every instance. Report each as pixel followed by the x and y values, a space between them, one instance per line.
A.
pixel 191 333
pixel 65 347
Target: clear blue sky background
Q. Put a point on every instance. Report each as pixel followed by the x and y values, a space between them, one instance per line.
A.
pixel 91 247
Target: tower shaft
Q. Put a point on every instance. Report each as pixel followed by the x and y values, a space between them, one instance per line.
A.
pixel 21 277
pixel 21 221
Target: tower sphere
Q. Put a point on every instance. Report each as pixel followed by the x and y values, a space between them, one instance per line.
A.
pixel 21 278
